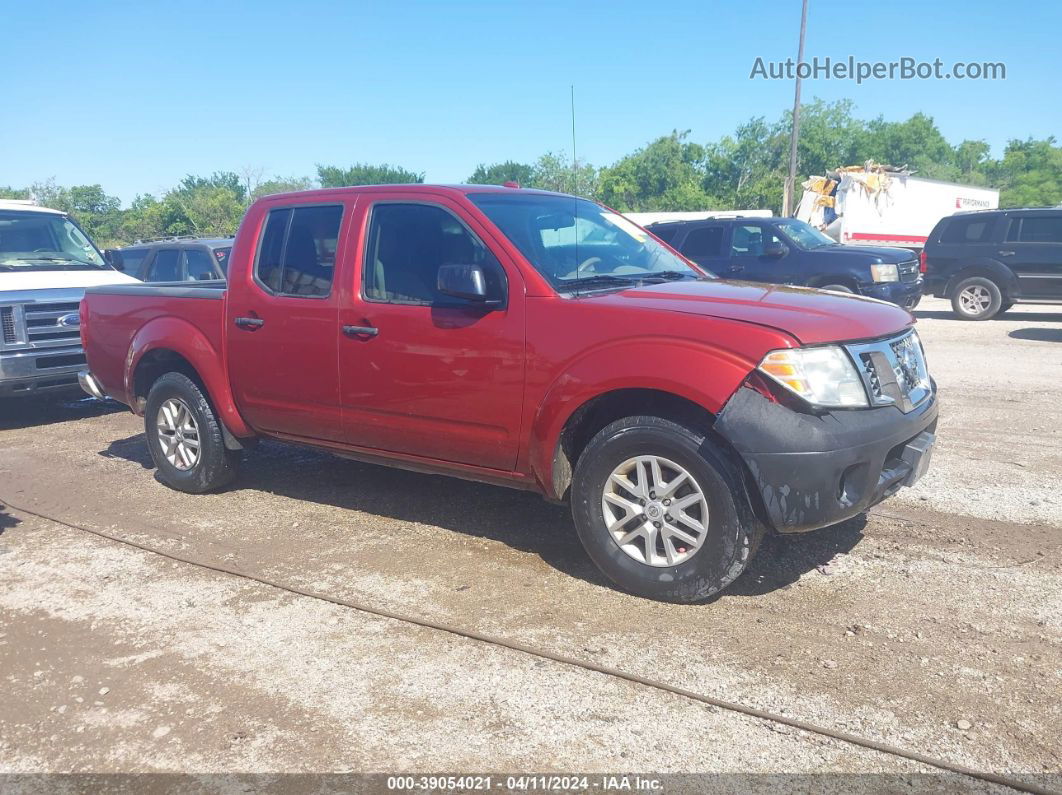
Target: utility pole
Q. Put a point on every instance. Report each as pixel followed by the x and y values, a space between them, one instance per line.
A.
pixel 790 181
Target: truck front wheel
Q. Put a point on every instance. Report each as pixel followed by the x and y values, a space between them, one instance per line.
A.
pixel 661 511
pixel 185 438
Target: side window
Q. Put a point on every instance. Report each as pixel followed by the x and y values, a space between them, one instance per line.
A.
pixel 751 240
pixel 665 233
pixel 968 230
pixel 222 256
pixel 166 266
pixel 1041 229
pixel 297 254
pixel 406 245
pixel 705 241
pixel 197 265
pixel 131 259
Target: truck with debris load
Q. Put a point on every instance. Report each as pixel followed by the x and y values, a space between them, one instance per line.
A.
pixel 875 205
pixel 531 340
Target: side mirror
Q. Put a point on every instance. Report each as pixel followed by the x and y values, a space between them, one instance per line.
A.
pixel 464 281
pixel 776 250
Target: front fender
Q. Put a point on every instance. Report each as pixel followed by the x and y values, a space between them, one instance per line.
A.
pixel 174 334
pixel 701 374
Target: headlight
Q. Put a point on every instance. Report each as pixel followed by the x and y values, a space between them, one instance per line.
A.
pixel 824 376
pixel 885 273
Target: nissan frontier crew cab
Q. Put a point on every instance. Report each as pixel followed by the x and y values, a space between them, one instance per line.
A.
pixel 532 340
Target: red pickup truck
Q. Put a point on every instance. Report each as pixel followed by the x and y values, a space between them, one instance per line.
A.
pixel 532 340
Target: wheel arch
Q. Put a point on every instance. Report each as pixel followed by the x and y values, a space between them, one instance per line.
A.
pixel 997 272
pixel 171 344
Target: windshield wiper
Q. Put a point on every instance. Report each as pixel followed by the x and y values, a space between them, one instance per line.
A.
pixel 668 276
pixel 598 280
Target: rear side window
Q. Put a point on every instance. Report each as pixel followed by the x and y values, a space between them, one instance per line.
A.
pixel 665 233
pixel 297 254
pixel 197 265
pixel 1041 229
pixel 706 241
pixel 131 259
pixel 968 230
pixel 166 266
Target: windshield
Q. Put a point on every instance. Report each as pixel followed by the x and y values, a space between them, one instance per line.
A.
pixel 804 235
pixel 579 245
pixel 43 241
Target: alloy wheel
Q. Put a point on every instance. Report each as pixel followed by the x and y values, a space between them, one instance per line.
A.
pixel 178 434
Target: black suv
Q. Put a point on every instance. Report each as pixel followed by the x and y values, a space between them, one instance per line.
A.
pixel 174 259
pixel 788 251
pixel 989 260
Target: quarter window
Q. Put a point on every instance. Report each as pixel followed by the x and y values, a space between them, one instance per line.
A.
pixel 297 254
pixel 166 266
pixel 706 241
pixel 406 245
pixel 968 230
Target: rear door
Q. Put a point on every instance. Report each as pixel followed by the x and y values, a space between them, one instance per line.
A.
pixel 1033 250
pixel 283 322
pixel 422 373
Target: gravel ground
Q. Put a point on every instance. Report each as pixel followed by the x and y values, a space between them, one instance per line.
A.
pixel 940 609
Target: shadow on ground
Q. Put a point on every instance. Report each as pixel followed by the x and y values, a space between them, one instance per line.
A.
pixel 1037 334
pixel 25 412
pixel 521 520
pixel 1027 317
pixel 6 519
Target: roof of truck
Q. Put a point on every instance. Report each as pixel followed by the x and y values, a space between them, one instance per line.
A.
pixel 416 187
pixel 21 205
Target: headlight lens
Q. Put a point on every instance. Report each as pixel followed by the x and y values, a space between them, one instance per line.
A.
pixel 824 376
pixel 888 272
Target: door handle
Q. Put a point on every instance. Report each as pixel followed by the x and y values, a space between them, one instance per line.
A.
pixel 1006 253
pixel 249 323
pixel 361 331
pixel 736 268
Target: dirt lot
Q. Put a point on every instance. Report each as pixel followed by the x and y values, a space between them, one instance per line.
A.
pixel 942 607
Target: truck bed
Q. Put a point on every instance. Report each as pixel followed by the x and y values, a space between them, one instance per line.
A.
pixel 134 314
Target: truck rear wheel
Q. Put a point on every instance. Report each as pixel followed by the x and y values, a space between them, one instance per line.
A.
pixel 976 298
pixel 661 512
pixel 185 438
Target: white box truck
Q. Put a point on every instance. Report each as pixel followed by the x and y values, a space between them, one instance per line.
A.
pixel 876 207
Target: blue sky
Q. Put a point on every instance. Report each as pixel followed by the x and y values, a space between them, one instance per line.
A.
pixel 134 95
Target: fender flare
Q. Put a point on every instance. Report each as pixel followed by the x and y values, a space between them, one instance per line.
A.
pixel 993 269
pixel 185 339
pixel 663 364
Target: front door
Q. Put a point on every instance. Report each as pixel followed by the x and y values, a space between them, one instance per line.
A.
pixel 749 243
pixel 283 324
pixel 704 245
pixel 422 373
pixel 1033 250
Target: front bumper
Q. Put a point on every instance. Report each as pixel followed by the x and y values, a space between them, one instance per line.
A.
pixel 905 294
pixel 811 471
pixel 35 370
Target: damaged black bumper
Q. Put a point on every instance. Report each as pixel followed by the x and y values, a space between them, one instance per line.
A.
pixel 814 470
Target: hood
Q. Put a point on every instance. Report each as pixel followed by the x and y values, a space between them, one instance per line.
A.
pixel 54 280
pixel 873 254
pixel 811 316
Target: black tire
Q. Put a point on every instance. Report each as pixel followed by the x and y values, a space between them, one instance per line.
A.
pixel 215 465
pixel 732 535
pixel 965 294
pixel 1005 307
pixel 837 288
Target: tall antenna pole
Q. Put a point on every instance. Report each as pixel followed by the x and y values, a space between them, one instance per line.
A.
pixel 790 181
pixel 575 167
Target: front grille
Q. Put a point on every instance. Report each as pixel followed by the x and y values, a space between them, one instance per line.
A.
pixel 7 325
pixel 52 324
pixel 909 271
pixel 894 371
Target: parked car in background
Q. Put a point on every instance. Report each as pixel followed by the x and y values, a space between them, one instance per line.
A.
pixel 789 251
pixel 986 262
pixel 174 259
pixel 46 261
pixel 532 340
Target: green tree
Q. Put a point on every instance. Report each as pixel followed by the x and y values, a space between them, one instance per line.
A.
pixel 668 174
pixel 281 185
pixel 365 174
pixel 555 172
pixel 500 173
pixel 1030 173
pixel 7 192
